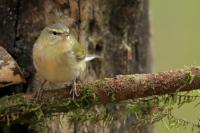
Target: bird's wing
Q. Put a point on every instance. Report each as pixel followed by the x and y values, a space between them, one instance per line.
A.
pixel 79 51
pixel 91 57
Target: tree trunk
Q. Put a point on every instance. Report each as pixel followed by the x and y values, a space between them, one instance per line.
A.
pixel 116 30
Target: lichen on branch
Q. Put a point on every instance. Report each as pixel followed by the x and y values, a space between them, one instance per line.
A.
pixel 21 107
pixel 123 87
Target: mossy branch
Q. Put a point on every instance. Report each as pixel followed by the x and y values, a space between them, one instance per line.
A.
pixel 123 87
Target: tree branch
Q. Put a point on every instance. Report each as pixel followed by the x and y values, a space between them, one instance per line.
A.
pixel 122 87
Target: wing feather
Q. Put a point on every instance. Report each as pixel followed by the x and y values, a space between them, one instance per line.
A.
pixel 79 51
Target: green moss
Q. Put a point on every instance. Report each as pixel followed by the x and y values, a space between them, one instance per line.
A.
pixel 190 76
pixel 99 82
pixel 17 109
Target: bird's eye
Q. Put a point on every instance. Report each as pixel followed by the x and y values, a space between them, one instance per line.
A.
pixel 56 33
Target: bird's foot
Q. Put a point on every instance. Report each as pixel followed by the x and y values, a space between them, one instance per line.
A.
pixel 74 91
pixel 38 93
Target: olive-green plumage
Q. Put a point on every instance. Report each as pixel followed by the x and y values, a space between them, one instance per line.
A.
pixel 79 52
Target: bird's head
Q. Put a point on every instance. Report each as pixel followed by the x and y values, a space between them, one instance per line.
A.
pixel 56 38
pixel 55 33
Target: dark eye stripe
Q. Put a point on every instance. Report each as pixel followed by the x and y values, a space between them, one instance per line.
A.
pixel 56 33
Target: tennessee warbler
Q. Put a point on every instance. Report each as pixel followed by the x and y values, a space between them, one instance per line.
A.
pixel 58 56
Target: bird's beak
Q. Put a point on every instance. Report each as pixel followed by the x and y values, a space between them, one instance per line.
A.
pixel 66 34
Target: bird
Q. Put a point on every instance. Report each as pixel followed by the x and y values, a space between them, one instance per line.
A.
pixel 58 57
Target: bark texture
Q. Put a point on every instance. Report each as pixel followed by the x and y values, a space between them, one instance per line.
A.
pixel 114 29
pixel 119 32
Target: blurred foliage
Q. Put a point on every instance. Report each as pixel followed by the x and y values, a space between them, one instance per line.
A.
pixel 176 43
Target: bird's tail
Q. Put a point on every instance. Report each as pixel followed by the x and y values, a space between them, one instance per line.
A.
pixel 91 57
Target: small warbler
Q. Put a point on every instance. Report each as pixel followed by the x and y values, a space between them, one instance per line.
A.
pixel 58 57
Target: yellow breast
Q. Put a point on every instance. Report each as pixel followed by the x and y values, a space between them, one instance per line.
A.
pixel 52 66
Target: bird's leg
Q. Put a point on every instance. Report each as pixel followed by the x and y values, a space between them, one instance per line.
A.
pixel 40 90
pixel 74 91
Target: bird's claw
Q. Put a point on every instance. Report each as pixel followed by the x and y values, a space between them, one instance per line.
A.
pixel 38 93
pixel 74 91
